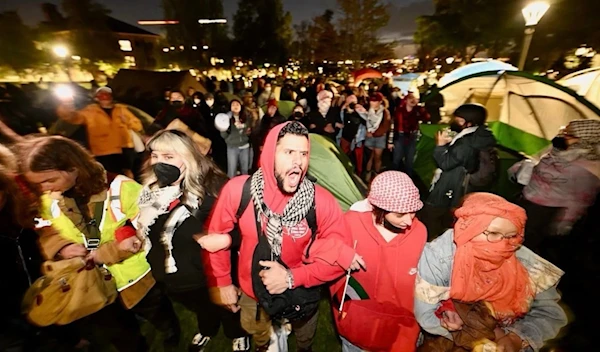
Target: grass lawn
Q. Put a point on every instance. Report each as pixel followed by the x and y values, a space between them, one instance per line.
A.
pixel 325 341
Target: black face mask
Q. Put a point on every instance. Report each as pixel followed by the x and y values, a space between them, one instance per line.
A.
pixel 298 114
pixel 352 106
pixel 391 228
pixel 166 174
pixel 454 126
pixel 177 103
pixel 559 143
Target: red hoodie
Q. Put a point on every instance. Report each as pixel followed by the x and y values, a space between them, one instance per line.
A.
pixel 329 255
pixel 383 321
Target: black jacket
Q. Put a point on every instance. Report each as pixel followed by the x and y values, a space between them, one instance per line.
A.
pixel 187 252
pixel 20 263
pixel 320 122
pixel 352 122
pixel 456 161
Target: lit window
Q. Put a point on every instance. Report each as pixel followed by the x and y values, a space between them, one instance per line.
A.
pixel 125 45
pixel 130 60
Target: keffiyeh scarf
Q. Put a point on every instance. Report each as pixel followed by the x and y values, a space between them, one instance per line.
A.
pixel 154 203
pixel 295 210
pixel 374 119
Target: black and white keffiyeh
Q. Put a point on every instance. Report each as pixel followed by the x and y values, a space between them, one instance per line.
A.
pixel 154 203
pixel 295 210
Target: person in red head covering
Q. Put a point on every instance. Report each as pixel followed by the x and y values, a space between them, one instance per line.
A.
pixel 482 260
pixel 283 196
pixel 377 314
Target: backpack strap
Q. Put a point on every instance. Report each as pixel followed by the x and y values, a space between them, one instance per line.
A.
pixel 311 219
pixel 245 200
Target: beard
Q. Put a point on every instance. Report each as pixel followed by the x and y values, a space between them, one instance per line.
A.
pixel 280 178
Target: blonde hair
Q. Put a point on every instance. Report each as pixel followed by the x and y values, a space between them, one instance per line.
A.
pixel 201 176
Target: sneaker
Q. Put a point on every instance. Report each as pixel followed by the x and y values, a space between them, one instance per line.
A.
pixel 241 344
pixel 199 342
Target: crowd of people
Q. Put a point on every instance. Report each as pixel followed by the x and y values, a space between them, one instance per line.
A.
pixel 226 222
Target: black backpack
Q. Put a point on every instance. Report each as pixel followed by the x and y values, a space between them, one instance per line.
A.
pixel 295 304
pixel 487 169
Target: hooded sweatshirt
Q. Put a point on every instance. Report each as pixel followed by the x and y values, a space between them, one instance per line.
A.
pixel 384 321
pixel 329 255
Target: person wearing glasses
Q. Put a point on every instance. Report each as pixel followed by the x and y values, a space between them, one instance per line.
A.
pixel 481 261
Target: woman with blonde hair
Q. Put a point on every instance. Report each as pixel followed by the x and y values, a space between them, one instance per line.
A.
pixel 87 213
pixel 180 188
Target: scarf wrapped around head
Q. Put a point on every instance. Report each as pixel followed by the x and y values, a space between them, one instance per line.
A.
pixel 588 132
pixel 485 271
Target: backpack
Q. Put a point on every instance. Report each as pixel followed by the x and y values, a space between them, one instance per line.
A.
pixel 487 169
pixel 293 304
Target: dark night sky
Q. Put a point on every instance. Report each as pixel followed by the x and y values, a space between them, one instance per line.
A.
pixel 133 10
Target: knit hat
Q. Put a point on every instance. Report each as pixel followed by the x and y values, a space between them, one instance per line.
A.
pixel 395 192
pixel 473 113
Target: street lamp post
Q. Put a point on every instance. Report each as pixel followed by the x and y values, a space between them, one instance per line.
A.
pixel 532 13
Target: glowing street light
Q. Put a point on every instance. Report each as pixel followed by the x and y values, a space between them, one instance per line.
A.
pixel 532 13
pixel 212 21
pixel 156 22
pixel 60 51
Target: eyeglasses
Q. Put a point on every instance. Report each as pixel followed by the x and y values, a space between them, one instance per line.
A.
pixel 495 237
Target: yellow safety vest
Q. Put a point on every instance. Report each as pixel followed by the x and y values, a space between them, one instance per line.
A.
pixel 120 205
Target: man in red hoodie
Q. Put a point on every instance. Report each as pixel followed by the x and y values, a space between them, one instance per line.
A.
pixel 283 196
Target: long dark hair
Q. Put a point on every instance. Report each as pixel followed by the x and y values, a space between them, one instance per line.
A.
pixel 57 153
pixel 242 110
pixel 379 214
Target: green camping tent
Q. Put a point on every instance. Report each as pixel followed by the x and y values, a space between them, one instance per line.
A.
pixel 524 112
pixel 333 171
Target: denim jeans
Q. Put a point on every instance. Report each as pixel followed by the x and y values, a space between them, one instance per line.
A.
pixel 349 347
pixel 403 155
pixel 237 157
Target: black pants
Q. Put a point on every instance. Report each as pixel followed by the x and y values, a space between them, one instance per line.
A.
pixel 116 325
pixel 158 310
pixel 209 315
